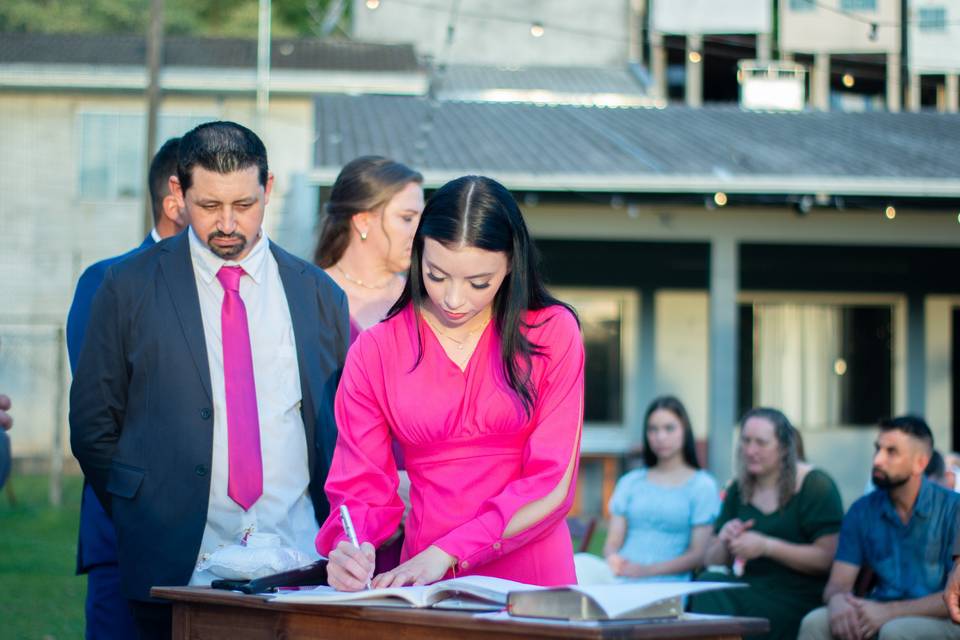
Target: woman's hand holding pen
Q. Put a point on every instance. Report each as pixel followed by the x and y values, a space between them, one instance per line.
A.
pixel 350 568
pixel 428 566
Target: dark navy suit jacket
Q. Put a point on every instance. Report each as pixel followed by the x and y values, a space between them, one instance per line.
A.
pixel 97 542
pixel 141 412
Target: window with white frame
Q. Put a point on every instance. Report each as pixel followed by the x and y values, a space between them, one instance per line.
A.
pixel 802 5
pixel 608 322
pixel 112 158
pixel 932 18
pixel 858 5
pixel 823 363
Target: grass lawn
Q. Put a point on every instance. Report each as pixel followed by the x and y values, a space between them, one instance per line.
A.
pixel 42 598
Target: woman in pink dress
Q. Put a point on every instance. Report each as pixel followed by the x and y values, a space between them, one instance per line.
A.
pixel 478 373
pixel 371 216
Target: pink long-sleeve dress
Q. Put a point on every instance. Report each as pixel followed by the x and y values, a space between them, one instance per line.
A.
pixel 473 455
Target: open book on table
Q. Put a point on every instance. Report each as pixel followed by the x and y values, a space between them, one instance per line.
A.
pixel 622 601
pixel 479 593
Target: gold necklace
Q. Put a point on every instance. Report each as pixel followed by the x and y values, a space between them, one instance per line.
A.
pixel 361 283
pixel 461 344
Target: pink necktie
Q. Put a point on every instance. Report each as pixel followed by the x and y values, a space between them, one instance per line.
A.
pixel 245 483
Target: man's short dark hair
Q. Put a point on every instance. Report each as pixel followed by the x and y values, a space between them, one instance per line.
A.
pixel 222 147
pixel 913 426
pixel 163 165
pixel 936 468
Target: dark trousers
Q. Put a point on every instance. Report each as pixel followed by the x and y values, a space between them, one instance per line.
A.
pixel 154 620
pixel 107 612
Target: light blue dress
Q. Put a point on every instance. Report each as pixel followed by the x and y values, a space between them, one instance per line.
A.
pixel 660 519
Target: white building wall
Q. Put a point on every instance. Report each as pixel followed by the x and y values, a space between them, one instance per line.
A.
pixel 935 51
pixel 682 352
pixel 822 30
pixel 497 32
pixel 51 234
pixel 711 16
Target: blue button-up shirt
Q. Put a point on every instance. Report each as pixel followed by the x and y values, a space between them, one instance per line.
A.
pixel 910 560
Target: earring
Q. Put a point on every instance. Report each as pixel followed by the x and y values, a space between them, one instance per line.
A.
pixel 363 235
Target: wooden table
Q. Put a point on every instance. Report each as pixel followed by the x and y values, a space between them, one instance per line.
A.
pixel 200 613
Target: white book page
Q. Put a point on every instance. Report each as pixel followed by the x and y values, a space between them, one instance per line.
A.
pixel 415 596
pixel 617 599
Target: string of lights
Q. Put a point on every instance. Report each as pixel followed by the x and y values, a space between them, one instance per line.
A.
pixel 538 28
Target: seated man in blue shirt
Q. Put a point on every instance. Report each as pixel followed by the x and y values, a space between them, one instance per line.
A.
pixel 904 532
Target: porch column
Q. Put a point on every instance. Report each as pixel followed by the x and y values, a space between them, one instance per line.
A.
pixel 820 82
pixel 724 282
pixel 694 67
pixel 952 94
pixel 658 65
pixel 916 355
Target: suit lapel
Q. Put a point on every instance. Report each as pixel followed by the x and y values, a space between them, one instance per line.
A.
pixel 177 269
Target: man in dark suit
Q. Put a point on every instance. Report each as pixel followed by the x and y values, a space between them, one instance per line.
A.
pixel 107 613
pixel 202 405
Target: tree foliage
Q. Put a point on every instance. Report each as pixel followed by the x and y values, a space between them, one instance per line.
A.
pixel 224 18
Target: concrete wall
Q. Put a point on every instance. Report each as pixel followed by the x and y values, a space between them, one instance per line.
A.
pixel 497 32
pixel 711 16
pixel 935 51
pixel 821 30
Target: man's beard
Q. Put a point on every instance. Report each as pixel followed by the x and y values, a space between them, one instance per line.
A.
pixel 227 252
pixel 883 481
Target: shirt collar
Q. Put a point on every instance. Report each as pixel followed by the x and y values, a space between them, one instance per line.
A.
pixel 208 263
pixel 156 236
pixel 922 507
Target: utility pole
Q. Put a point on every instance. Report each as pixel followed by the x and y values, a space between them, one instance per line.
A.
pixel 263 65
pixel 154 57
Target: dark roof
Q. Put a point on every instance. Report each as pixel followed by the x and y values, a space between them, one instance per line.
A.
pixel 301 54
pixel 461 78
pixel 717 144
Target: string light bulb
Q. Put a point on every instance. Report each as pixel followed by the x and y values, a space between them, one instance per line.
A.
pixel 695 57
pixel 373 5
pixel 848 80
pixel 890 212
pixel 720 198
pixel 536 30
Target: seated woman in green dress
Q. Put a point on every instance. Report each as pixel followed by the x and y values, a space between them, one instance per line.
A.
pixel 777 530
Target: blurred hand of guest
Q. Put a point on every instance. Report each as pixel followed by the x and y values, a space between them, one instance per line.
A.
pixel 617 563
pixel 951 593
pixel 871 614
pixel 844 620
pixel 749 545
pixel 6 420
pixel 732 529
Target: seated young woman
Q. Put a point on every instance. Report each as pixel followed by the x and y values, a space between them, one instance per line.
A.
pixel 661 515
pixel 477 372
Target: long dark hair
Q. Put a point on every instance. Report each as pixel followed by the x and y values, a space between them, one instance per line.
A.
pixel 364 184
pixel 786 435
pixel 476 211
pixel 674 406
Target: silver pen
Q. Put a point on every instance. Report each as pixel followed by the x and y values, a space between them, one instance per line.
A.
pixel 349 530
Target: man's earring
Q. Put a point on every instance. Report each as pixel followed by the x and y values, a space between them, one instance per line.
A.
pixel 363 235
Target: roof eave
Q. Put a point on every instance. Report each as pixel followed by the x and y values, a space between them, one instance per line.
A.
pixel 873 186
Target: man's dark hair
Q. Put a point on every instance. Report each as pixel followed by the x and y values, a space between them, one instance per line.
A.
pixel 936 468
pixel 913 426
pixel 163 165
pixel 222 147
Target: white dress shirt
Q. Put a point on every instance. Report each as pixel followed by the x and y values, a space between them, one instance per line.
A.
pixel 285 507
pixel 156 236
